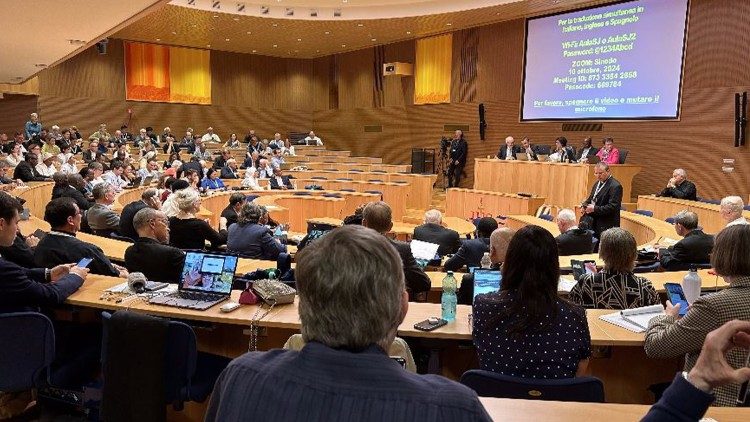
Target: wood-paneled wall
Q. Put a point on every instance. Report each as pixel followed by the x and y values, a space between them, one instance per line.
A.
pixel 14 112
pixel 337 96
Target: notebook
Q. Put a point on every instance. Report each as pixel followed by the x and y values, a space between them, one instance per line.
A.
pixel 206 281
pixel 635 320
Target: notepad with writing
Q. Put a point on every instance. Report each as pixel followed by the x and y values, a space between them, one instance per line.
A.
pixel 635 320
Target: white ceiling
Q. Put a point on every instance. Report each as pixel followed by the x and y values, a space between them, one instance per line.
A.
pixel 349 9
pixel 37 32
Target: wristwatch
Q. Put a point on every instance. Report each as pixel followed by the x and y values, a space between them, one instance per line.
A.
pixel 47 275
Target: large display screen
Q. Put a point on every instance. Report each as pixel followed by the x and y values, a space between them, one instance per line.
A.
pixel 621 61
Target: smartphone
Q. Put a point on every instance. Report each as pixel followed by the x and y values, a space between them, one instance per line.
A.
pixel 39 234
pixel 401 361
pixel 430 324
pixel 83 263
pixel 676 295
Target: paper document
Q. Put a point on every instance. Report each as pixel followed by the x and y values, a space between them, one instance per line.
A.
pixel 635 320
pixel 566 284
pixel 424 250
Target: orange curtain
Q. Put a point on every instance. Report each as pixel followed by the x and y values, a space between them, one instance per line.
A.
pixel 146 72
pixel 432 73
pixel 190 75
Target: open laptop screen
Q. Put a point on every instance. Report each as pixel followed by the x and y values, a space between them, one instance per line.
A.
pixel 486 281
pixel 208 273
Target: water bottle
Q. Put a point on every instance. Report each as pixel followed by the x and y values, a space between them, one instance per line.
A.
pixel 486 262
pixel 691 285
pixel 449 299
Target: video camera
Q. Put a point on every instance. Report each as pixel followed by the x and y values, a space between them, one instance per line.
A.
pixel 445 143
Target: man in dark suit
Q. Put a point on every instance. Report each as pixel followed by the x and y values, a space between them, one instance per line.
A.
pixel 679 187
pixel 279 181
pixel 377 216
pixel 694 248
pixel 149 199
pixel 151 253
pixel 432 231
pixel 601 210
pixel 23 289
pixel 509 150
pixel 26 170
pixel 229 171
pixel 459 150
pixel 471 252
pixel 529 149
pixel 586 150
pixel 90 154
pixel 572 239
pixel 194 164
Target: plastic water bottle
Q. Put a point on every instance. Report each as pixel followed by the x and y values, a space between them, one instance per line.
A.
pixel 449 299
pixel 691 285
pixel 486 262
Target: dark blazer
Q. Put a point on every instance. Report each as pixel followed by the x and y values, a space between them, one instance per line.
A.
pixel 591 151
pixel 87 156
pixel 685 190
pixel 73 193
pixel 568 154
pixel 191 165
pixel 253 241
pixel 534 151
pixel 192 233
pixel 228 173
pixel 502 152
pixel 681 402
pixel 469 254
pixel 416 279
pixel 606 206
pixel 458 150
pixel 56 249
pixel 275 184
pixel 27 173
pixel 575 242
pixel 694 248
pixel 24 289
pixel 448 239
pixel 157 261
pixel 19 252
pixel 126 218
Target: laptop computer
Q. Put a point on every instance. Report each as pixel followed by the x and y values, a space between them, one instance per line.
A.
pixel 147 181
pixel 206 281
pixel 522 156
pixel 486 281
pixel 134 184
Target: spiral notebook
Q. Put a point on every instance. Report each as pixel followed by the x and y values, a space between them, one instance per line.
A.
pixel 635 320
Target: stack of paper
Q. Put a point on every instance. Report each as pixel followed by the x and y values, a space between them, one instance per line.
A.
pixel 635 320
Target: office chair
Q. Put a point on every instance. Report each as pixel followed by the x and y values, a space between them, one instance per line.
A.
pixel 491 384
pixel 28 340
pixel 623 155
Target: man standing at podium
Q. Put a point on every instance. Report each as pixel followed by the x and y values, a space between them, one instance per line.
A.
pixel 601 210
pixel 457 154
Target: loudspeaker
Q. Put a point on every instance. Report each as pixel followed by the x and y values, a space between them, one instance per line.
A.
pixel 101 46
pixel 482 122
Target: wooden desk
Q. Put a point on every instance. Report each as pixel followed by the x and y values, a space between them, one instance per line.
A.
pixel 564 185
pixel 406 230
pixel 709 215
pixel 303 159
pixel 471 203
pixel 510 410
pixel 36 195
pixel 338 166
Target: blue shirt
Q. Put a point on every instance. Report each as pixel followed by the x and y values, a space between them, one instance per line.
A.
pixel 551 353
pixel 32 129
pixel 319 383
pixel 207 183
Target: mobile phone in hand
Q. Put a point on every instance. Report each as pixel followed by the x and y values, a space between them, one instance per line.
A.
pixel 677 295
pixel 83 263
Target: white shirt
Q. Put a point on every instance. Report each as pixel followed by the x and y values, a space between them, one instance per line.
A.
pixel 12 161
pixel 251 182
pixel 288 151
pixel 116 181
pixel 317 140
pixel 508 153
pixel 738 222
pixel 211 138
pixel 68 169
pixel 46 171
pixel 169 207
pixel 63 157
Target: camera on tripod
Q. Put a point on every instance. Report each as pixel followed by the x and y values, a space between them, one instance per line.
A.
pixel 445 143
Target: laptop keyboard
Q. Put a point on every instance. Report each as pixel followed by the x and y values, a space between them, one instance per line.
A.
pixel 206 297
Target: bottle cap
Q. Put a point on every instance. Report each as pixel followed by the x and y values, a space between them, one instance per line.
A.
pixel 450 272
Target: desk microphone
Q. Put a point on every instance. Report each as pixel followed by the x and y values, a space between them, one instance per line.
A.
pixel 137 282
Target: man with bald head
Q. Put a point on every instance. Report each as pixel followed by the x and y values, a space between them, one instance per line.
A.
pixel 151 254
pixel 679 187
pixel 602 208
pixel 433 231
pixel 509 150
pixel 731 210
pixel 378 216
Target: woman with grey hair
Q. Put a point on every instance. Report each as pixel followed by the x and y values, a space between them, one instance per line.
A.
pixel 188 232
pixel 615 287
pixel 250 237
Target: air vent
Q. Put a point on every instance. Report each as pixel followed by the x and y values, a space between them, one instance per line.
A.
pixel 373 128
pixel 582 127
pixel 454 127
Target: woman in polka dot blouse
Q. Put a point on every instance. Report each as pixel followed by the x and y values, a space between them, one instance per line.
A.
pixel 526 330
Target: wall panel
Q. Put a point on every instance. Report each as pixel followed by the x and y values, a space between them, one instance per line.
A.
pixel 14 112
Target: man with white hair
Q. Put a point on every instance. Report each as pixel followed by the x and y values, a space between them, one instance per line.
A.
pixel 572 239
pixel 679 187
pixel 33 127
pixel 311 139
pixel 731 210
pixel 509 150
pixel 211 137
pixel 229 171
pixel 432 231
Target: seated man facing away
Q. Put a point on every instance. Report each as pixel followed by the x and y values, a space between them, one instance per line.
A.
pixel 679 187
pixel 102 220
pixel 377 216
pixel 352 299
pixel 731 211
pixel 432 231
pixel 24 289
pixel 151 253
pixel 60 246
pixel 694 248
pixel 572 239
pixel 149 199
pixel 471 252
